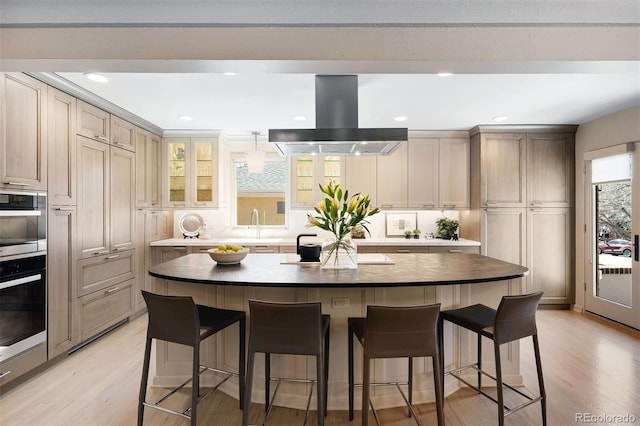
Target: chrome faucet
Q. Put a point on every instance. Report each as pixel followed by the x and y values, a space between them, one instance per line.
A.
pixel 255 221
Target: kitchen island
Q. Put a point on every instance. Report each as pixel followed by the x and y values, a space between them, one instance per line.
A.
pixel 453 280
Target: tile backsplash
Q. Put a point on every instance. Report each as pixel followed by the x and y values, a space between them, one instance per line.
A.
pixel 218 224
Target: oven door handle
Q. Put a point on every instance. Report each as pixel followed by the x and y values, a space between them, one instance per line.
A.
pixel 19 281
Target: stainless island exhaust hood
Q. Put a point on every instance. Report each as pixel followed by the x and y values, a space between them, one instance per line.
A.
pixel 337 131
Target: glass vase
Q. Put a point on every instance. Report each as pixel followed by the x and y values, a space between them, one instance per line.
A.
pixel 339 253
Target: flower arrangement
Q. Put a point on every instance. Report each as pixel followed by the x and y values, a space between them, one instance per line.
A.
pixel 339 213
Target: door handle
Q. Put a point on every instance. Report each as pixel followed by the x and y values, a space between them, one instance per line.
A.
pixel 636 248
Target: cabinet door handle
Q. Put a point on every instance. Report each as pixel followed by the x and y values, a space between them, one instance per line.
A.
pixel 17 183
pixel 179 205
pixel 102 138
pixel 64 209
pixel 111 290
pixel 6 373
pixel 180 248
pixel 636 247
pixel 403 251
pixel 102 252
pixel 449 206
pixel 455 251
pixel 111 257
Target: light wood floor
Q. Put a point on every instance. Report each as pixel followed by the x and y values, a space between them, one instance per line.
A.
pixel 590 366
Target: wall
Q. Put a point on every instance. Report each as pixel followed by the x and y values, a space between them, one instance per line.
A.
pixel 614 129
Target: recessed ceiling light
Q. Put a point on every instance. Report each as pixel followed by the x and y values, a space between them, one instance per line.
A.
pixel 300 117
pixel 98 78
pixel 500 118
pixel 401 118
pixel 356 153
pixel 445 74
pixel 185 117
pixel 230 73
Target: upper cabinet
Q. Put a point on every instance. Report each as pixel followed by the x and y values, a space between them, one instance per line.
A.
pixel 123 134
pixel 454 172
pixel 190 172
pixel 550 169
pixel 61 130
pixel 93 123
pixel 430 171
pixel 23 132
pixel 422 169
pixel 360 176
pixel 529 169
pixel 308 172
pixel 147 169
pixel 391 178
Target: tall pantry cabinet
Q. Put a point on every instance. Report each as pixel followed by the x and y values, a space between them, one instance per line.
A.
pixel 522 203
pixel 62 329
pixel 105 237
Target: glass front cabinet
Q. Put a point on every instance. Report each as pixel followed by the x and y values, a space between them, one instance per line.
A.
pixel 190 177
pixel 310 171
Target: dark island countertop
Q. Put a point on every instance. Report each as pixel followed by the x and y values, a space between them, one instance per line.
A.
pixel 409 269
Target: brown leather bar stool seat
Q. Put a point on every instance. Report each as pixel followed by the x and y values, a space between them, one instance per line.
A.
pixel 178 319
pixel 396 332
pixel 292 329
pixel 514 319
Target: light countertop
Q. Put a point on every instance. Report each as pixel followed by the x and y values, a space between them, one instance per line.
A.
pixel 291 241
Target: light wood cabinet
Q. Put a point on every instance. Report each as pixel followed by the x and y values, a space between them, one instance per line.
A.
pixel 92 122
pixel 503 169
pixel 23 132
pixel 122 200
pixel 151 226
pixel 454 173
pixel 190 172
pixel 513 168
pixel 100 272
pixel 93 173
pixel 550 236
pixel 147 169
pixel 391 178
pixel 102 309
pixel 550 165
pixel 106 198
pixel 308 172
pixel 503 234
pixel 61 141
pixel 422 168
pixel 62 327
pixel 360 176
pixel 123 134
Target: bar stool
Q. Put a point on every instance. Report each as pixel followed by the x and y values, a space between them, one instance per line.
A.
pixel 514 319
pixel 396 332
pixel 178 319
pixel 293 329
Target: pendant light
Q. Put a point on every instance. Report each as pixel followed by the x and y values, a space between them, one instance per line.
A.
pixel 255 158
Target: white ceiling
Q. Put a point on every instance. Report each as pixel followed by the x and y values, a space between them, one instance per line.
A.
pixel 535 61
pixel 246 102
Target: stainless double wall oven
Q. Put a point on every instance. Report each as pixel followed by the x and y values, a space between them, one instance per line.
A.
pixel 23 283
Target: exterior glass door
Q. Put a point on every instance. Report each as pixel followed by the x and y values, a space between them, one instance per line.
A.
pixel 614 289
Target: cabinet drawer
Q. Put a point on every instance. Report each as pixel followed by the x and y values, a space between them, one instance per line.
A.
pixel 97 273
pixel 102 309
pixel 16 366
pixel 403 249
pixel 264 249
pixel 455 249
